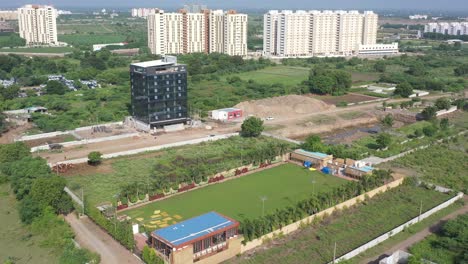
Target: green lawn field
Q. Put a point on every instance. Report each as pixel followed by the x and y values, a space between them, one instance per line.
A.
pixel 282 186
pixel 287 75
pixel 16 242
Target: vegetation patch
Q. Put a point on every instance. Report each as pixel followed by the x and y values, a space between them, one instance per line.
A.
pixel 349 228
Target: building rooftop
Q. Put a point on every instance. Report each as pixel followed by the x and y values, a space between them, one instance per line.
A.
pixel 193 228
pixel 317 155
pixel 229 109
pixel 146 64
pixel 364 169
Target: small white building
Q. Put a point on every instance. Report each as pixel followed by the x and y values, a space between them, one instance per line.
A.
pixel 378 49
pixel 383 88
pixel 418 93
pixel 226 114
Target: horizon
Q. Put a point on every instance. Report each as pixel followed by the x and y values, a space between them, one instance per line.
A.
pixel 453 6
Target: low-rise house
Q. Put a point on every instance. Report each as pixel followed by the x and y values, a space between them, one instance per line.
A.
pixel 358 169
pixel 317 159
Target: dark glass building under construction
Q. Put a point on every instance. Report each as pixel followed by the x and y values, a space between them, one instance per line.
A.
pixel 159 92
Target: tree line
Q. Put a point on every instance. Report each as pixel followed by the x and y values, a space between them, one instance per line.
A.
pixel 41 199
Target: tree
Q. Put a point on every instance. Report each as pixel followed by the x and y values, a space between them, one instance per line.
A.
pixel 461 70
pixel 95 158
pixel 29 210
pixel 314 143
pixel 13 152
pixel 55 87
pixel 252 127
pixel 387 121
pixel 326 81
pixel 380 66
pixel 444 124
pixel 384 140
pixel 10 92
pixel 430 130
pixel 442 103
pixel 48 191
pixel 404 89
pixel 429 113
pixel 416 69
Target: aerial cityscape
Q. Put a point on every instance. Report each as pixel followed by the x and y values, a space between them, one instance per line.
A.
pixel 233 132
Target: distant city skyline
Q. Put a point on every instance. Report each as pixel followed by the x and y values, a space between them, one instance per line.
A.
pixel 449 5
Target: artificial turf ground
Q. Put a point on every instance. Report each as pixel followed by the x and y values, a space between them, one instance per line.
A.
pixel 238 198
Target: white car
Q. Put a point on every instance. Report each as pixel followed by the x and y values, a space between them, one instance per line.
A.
pixel 269 118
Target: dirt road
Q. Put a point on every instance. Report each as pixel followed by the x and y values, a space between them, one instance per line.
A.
pixel 90 236
pixel 406 244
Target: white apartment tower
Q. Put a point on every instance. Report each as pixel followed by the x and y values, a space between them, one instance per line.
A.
pixel 37 24
pixel 207 31
pixel 235 34
pixel 317 33
pixel 454 28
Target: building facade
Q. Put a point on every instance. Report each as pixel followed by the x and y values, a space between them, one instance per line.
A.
pixel 141 12
pixel 159 92
pixel 317 33
pixel 455 28
pixel 208 238
pixel 7 15
pixel 37 24
pixel 206 31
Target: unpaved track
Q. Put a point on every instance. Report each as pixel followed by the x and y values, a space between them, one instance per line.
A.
pixel 421 235
pixel 90 236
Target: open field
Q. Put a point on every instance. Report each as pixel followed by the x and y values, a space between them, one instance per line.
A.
pixel 448 166
pixel 349 229
pixel 240 198
pixel 38 50
pixel 176 165
pixel 364 77
pixel 286 75
pixel 16 242
pixel 85 39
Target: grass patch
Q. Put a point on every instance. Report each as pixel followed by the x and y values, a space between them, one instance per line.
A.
pixel 351 115
pixel 39 50
pixel 240 198
pixel 90 39
pixel 16 242
pixel 285 75
pixel 350 228
pixel 375 252
pixel 176 164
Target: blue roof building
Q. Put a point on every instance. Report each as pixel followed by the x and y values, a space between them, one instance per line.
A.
pixel 195 238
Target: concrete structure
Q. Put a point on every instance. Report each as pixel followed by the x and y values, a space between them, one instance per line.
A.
pixel 226 114
pixel 159 92
pixel 317 33
pixel 318 160
pixel 37 24
pixel 141 12
pixel 378 49
pixel 418 93
pixel 454 28
pixel 208 238
pixel 97 47
pixel 358 169
pixel 188 32
pixel 8 15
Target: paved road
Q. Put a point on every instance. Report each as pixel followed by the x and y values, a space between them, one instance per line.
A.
pixel 406 244
pixel 90 236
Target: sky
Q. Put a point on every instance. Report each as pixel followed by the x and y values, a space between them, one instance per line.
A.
pixel 257 4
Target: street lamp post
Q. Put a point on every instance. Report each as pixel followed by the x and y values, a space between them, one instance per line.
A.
pixel 263 198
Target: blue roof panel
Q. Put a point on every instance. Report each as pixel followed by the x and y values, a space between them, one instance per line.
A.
pixel 193 228
pixel 310 153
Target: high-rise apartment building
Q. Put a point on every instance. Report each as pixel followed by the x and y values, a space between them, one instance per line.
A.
pixel 159 92
pixel 317 33
pixel 454 28
pixel 206 31
pixel 37 24
pixel 141 12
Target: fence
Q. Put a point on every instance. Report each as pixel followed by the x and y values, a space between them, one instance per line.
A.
pixel 149 149
pixel 295 226
pixel 398 229
pixel 86 141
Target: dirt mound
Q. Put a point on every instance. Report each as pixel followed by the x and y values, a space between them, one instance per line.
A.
pixel 283 106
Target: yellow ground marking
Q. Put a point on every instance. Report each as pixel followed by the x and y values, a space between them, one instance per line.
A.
pixel 157 212
pixel 177 217
pixel 139 219
pixel 167 219
pixel 163 225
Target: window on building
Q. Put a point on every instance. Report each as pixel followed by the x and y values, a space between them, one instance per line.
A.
pixel 197 246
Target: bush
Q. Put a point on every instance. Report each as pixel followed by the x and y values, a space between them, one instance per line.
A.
pixel 430 130
pixel 95 158
pixel 252 127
